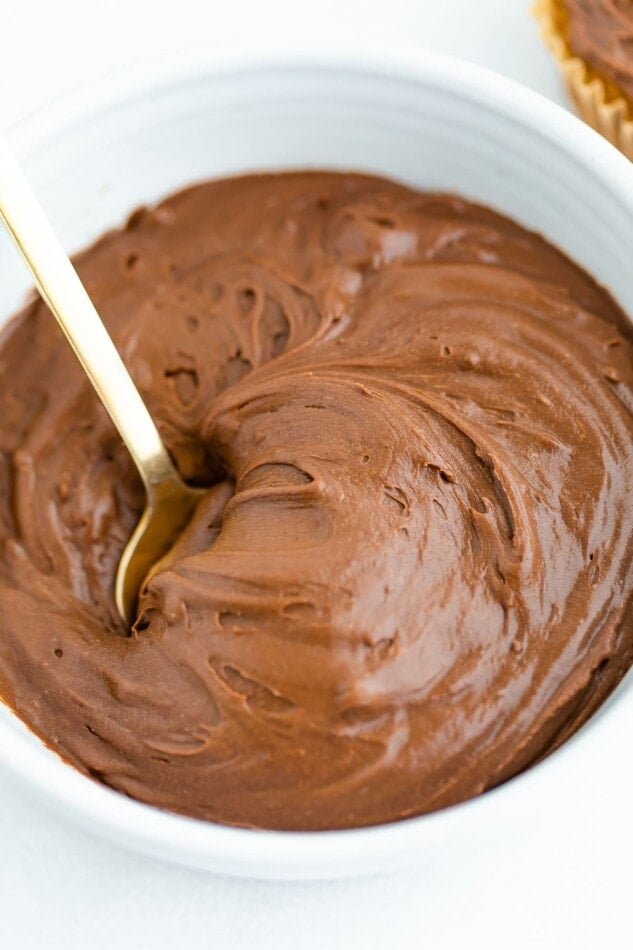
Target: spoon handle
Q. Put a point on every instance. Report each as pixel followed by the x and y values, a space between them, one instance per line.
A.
pixel 66 297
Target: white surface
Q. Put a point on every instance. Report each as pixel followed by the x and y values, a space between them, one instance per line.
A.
pixel 59 888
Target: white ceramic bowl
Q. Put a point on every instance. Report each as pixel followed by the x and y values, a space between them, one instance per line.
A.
pixel 436 123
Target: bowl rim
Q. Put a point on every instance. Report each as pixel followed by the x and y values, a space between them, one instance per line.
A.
pixel 283 854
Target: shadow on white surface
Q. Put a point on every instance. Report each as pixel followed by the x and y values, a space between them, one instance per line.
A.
pixel 63 890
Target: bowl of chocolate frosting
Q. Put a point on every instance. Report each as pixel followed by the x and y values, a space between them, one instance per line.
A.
pixel 381 312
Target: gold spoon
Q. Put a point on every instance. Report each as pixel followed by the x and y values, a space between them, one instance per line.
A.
pixel 170 503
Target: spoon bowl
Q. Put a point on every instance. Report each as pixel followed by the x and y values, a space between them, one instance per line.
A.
pixel 170 505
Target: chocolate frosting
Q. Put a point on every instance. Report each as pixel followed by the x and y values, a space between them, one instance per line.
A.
pixel 412 574
pixel 601 33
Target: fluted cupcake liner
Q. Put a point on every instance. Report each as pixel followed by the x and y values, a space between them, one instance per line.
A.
pixel 598 101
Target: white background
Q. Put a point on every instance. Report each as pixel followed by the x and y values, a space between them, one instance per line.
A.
pixel 61 889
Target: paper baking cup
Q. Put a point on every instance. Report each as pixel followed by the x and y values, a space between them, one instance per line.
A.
pixel 599 101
